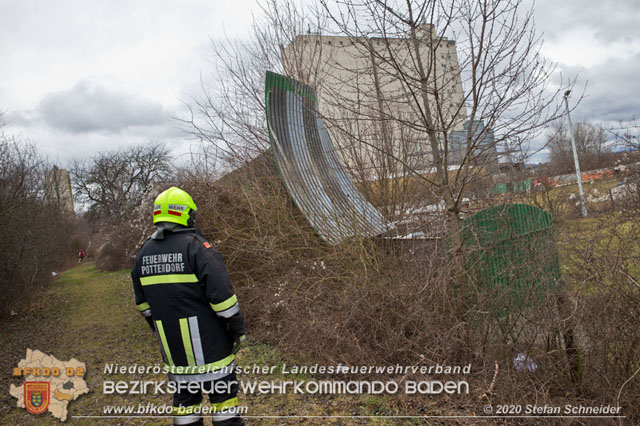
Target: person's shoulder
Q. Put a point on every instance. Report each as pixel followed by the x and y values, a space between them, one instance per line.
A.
pixel 199 239
pixel 192 235
pixel 144 246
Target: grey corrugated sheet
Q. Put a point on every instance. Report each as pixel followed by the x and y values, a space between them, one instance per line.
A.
pixel 310 166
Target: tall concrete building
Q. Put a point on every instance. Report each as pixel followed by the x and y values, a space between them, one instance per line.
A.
pixel 58 188
pixel 370 107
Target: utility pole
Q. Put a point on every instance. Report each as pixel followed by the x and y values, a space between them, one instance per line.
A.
pixel 583 206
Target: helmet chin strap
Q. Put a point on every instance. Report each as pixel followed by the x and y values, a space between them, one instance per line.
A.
pixel 191 222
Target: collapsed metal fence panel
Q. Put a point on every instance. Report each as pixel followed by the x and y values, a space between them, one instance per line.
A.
pixel 310 167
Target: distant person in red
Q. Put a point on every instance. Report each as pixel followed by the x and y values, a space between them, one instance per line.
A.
pixel 80 255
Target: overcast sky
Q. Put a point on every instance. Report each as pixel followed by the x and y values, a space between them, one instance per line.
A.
pixel 78 76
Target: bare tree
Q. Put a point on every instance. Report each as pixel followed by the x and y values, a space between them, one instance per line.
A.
pixel 113 183
pixel 229 113
pixel 627 134
pixel 412 86
pixel 591 146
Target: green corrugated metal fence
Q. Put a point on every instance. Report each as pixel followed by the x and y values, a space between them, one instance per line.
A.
pixel 512 256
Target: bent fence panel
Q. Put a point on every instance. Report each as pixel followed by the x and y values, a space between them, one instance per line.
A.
pixel 310 166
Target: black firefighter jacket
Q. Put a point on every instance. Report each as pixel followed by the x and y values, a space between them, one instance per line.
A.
pixel 182 282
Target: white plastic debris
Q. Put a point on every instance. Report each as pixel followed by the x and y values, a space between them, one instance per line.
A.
pixel 522 362
pixel 13 313
pixel 53 274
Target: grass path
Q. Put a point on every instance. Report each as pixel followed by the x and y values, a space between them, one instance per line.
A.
pixel 90 315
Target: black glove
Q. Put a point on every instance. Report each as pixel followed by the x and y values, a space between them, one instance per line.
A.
pixel 235 325
pixel 151 323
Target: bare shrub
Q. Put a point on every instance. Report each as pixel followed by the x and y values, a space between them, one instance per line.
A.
pixel 591 146
pixel 291 282
pixel 601 259
pixel 118 241
pixel 35 231
pixel 374 302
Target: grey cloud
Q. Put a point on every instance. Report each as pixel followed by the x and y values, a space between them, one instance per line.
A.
pixel 611 20
pixel 89 107
pixel 612 91
pixel 22 118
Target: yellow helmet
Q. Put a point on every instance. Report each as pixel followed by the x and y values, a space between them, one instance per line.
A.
pixel 174 205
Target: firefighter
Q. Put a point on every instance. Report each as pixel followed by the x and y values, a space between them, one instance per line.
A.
pixel 183 290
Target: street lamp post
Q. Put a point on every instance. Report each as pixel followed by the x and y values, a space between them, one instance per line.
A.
pixel 583 206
